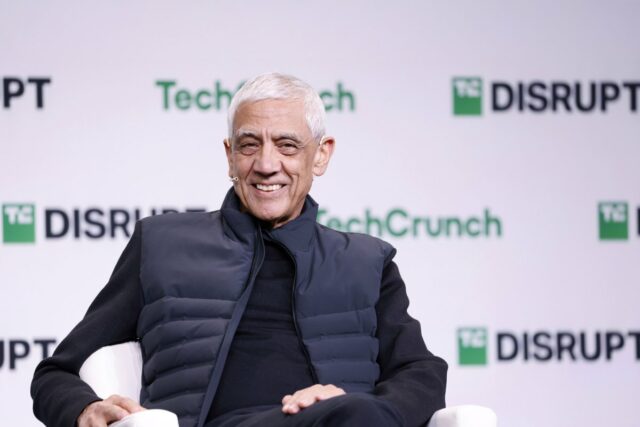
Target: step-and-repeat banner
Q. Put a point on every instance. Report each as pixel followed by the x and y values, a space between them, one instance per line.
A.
pixel 496 145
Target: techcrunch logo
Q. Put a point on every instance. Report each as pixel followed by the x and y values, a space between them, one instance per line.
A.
pixel 613 220
pixel 544 346
pixel 543 96
pixel 472 346
pixel 19 222
pixel 218 97
pixel 467 96
pixel 399 222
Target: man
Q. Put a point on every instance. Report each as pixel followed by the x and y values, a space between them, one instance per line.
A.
pixel 255 315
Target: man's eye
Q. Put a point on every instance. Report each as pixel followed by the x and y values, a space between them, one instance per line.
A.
pixel 248 147
pixel 288 148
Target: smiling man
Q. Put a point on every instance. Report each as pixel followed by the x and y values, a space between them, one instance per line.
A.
pixel 273 156
pixel 256 315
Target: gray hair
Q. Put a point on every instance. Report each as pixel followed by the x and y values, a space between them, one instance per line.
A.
pixel 281 86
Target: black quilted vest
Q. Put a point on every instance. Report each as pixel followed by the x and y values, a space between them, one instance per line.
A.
pixel 197 271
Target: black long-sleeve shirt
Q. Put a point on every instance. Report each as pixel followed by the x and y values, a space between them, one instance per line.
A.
pixel 412 379
pixel 266 356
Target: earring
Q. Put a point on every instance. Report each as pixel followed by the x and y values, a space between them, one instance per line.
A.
pixel 233 178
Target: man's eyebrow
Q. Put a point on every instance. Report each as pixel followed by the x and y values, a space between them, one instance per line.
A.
pixel 247 133
pixel 287 135
pixel 240 133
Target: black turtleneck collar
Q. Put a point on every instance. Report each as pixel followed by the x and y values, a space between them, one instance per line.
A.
pixel 296 234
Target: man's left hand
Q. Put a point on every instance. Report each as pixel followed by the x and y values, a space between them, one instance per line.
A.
pixel 293 403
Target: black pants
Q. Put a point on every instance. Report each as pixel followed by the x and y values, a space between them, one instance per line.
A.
pixel 352 410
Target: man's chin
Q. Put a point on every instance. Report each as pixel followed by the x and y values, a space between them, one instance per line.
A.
pixel 273 217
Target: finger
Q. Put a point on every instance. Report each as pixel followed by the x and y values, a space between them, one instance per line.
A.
pixel 308 396
pixel 309 399
pixel 290 409
pixel 93 422
pixel 286 399
pixel 295 398
pixel 110 413
pixel 89 416
pixel 129 405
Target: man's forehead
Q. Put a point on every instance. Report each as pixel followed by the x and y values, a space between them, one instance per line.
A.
pixel 273 116
pixel 272 107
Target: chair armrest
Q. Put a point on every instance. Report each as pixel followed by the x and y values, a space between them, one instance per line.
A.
pixel 464 416
pixel 148 418
pixel 115 369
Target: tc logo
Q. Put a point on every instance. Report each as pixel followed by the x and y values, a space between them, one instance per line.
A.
pixel 18 222
pixel 472 346
pixel 14 87
pixel 467 96
pixel 613 220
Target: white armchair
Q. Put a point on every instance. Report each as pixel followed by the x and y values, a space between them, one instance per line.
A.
pixel 117 369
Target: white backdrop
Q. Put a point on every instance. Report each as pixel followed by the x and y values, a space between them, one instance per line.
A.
pixel 104 139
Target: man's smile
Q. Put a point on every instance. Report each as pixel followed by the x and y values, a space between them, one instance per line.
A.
pixel 268 187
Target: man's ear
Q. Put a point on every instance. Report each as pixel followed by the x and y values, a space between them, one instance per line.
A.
pixel 227 150
pixel 323 155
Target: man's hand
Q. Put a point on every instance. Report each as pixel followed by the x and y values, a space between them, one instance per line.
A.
pixel 101 413
pixel 292 404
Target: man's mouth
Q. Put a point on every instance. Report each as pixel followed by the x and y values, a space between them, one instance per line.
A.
pixel 268 188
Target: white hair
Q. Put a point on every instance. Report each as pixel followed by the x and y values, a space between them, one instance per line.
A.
pixel 281 86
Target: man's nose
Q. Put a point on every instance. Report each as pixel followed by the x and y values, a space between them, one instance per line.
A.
pixel 267 161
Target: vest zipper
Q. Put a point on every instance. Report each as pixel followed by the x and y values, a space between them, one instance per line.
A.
pixel 236 316
pixel 314 375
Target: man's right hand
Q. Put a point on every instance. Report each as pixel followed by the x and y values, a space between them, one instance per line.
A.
pixel 103 412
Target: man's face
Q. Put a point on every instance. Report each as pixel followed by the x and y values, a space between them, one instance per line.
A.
pixel 274 156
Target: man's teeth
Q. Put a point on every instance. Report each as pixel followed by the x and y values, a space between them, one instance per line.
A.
pixel 272 187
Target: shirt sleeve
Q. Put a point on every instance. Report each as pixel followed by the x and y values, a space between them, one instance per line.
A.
pixel 59 395
pixel 412 379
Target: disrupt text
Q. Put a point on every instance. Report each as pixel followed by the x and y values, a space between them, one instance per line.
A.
pixel 96 223
pixel 539 96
